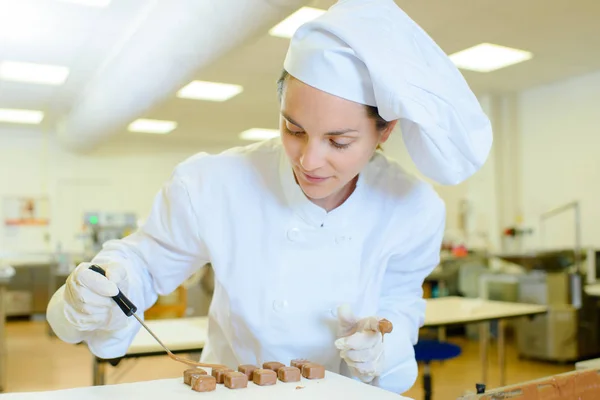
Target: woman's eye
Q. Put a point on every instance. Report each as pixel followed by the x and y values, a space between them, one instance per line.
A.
pixel 334 143
pixel 339 145
pixel 291 132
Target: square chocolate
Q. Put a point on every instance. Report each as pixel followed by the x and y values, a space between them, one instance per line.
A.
pixel 188 373
pixel 248 370
pixel 236 380
pixel 313 371
pixel 273 365
pixel 264 377
pixel 219 374
pixel 204 383
pixel 288 374
pixel 298 363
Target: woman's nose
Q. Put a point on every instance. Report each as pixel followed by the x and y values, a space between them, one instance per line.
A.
pixel 312 157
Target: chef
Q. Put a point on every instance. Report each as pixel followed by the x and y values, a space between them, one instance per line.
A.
pixel 316 235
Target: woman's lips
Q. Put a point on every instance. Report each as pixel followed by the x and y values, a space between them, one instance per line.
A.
pixel 313 179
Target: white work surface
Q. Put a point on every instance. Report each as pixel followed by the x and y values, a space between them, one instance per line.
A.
pixel 446 311
pixel 593 289
pixel 588 364
pixel 176 334
pixel 333 386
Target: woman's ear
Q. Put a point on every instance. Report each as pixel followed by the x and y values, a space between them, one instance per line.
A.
pixel 387 131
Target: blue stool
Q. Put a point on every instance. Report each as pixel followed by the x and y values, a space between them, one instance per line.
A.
pixel 427 351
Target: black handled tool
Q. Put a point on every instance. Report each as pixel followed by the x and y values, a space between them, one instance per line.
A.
pixel 122 301
pixel 480 388
pixel 129 309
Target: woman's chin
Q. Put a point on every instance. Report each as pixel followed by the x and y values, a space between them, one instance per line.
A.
pixel 314 192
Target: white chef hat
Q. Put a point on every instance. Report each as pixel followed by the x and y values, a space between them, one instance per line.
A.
pixel 371 52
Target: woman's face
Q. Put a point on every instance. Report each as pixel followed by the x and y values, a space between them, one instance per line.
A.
pixel 327 139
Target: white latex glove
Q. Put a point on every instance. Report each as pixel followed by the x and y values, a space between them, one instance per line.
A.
pixel 361 344
pixel 88 302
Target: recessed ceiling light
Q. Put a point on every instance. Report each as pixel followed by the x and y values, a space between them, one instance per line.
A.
pixel 21 116
pixel 212 91
pixel 91 3
pixel 488 57
pixel 152 126
pixel 33 73
pixel 257 134
pixel 288 26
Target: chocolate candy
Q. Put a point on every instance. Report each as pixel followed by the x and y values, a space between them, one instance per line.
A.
pixel 188 373
pixel 288 374
pixel 219 374
pixel 299 363
pixel 385 326
pixel 273 365
pixel 313 371
pixel 204 383
pixel 264 377
pixel 236 380
pixel 248 370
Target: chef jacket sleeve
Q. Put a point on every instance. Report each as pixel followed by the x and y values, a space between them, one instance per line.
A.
pixel 159 257
pixel 402 301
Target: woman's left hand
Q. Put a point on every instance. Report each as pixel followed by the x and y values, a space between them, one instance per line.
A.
pixel 360 344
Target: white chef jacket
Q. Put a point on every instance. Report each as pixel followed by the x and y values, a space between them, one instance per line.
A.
pixel 282 264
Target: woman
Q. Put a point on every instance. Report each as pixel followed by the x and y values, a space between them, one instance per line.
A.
pixel 299 226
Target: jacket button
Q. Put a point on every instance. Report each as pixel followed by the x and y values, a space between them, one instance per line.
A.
pixel 279 305
pixel 341 239
pixel 293 234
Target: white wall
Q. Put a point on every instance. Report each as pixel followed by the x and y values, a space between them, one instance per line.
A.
pixel 111 179
pixel 560 156
pixel 546 153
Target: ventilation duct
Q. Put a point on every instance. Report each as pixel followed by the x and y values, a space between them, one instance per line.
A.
pixel 170 43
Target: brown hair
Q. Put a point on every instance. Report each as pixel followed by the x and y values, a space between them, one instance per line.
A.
pixel 372 111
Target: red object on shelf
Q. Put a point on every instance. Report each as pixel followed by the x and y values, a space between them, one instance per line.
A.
pixel 460 251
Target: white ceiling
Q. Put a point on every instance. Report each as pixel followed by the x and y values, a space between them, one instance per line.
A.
pixel 60 33
pixel 564 36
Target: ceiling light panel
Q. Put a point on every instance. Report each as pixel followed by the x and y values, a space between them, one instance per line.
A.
pixel 152 126
pixel 90 3
pixel 210 91
pixel 258 134
pixel 288 26
pixel 487 57
pixel 33 73
pixel 18 116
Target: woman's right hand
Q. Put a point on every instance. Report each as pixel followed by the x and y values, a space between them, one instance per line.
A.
pixel 88 298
